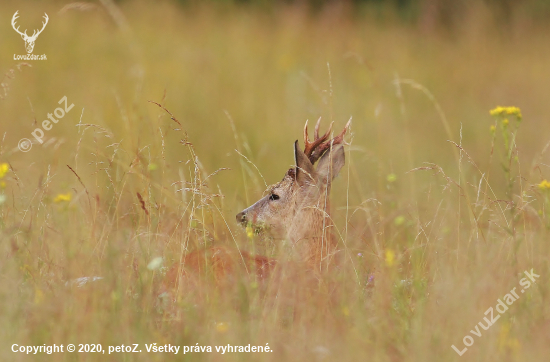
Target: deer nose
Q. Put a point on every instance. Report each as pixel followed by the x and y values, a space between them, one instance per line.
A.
pixel 241 217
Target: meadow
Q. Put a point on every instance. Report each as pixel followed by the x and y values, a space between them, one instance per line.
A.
pixel 442 205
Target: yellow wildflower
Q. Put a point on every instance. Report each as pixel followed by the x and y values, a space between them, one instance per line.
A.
pixel 115 296
pixel 504 111
pixel 544 185
pixel 496 111
pixel 63 197
pixel 493 128
pixel 345 311
pixel 505 122
pixel 503 335
pixel 513 111
pixel 222 327
pixel 4 168
pixel 38 296
pixel 249 232
pixel 390 257
pixel 285 62
pixel 505 342
pixel 391 177
pixel 399 220
pixel 513 344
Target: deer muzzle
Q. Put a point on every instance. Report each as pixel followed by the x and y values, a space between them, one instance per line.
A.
pixel 241 218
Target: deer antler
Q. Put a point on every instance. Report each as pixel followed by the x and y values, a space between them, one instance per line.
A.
pixel 34 36
pixel 13 25
pixel 314 150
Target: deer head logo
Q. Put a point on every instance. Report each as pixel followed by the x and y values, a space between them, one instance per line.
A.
pixel 29 40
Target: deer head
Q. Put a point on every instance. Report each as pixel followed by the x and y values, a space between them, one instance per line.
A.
pixel 29 40
pixel 296 209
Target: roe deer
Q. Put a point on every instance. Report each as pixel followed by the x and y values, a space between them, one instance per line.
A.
pixel 297 208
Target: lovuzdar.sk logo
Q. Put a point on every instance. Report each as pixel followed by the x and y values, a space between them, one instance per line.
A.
pixel 29 40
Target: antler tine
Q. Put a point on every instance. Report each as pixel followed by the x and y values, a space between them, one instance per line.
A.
pixel 340 138
pixel 317 128
pixel 327 133
pixel 310 147
pixel 306 136
pixel 320 140
pixel 322 147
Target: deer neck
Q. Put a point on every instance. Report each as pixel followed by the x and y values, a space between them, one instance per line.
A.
pixel 311 237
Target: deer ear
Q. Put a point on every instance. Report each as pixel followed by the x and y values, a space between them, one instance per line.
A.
pixel 304 168
pixel 331 163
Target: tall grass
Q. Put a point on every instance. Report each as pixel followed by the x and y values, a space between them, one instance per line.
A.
pixel 432 232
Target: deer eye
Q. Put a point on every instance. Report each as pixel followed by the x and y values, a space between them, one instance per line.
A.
pixel 274 197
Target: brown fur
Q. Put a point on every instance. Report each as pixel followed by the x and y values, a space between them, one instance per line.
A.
pixel 219 263
pixel 296 209
pixel 295 212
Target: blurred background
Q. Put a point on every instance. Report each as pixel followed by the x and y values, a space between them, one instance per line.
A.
pixel 272 65
pixel 241 78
